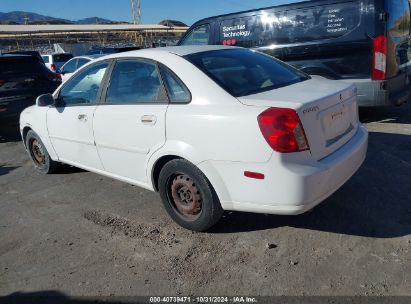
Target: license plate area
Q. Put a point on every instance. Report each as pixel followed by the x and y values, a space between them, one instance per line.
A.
pixel 337 122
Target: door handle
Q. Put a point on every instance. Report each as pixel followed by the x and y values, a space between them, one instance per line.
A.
pixel 149 119
pixel 82 117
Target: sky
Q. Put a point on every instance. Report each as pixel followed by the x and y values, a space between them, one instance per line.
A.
pixel 153 11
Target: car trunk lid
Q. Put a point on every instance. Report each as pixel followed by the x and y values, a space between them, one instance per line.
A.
pixel 327 110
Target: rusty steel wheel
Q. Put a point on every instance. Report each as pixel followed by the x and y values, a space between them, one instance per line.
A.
pixel 185 197
pixel 188 196
pixel 37 152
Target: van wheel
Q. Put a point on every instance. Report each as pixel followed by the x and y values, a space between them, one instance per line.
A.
pixel 39 155
pixel 188 196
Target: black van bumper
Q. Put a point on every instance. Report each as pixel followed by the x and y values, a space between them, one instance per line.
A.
pixel 374 93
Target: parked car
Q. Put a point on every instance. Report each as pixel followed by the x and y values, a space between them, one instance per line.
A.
pixel 366 42
pixel 30 53
pixel 74 64
pixel 211 128
pixel 55 61
pixel 112 50
pixel 22 79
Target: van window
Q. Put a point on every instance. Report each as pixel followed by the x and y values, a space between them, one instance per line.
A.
pixel 399 17
pixel 198 36
pixel 244 72
pixel 292 26
pixel 62 57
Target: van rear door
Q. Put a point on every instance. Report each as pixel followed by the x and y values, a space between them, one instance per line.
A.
pixel 398 50
pixel 326 38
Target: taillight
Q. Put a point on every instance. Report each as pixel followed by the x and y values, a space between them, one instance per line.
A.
pixel 283 131
pixel 53 67
pixel 3 109
pixel 379 58
pixel 55 77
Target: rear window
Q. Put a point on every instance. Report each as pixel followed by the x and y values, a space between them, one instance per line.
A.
pixel 20 67
pixel 244 72
pixel 291 26
pixel 62 57
pixel 46 59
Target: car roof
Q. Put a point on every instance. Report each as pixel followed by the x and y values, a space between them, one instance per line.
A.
pixel 293 5
pixel 18 57
pixel 95 56
pixel 177 50
pixel 56 54
pixel 15 55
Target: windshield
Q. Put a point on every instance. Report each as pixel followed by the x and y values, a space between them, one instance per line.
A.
pixel 244 72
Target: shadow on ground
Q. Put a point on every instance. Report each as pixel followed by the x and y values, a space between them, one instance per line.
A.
pixel 9 131
pixel 57 297
pixel 5 169
pixel 400 115
pixel 376 202
pixel 67 169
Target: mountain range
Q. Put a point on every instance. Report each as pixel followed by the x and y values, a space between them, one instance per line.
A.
pixel 20 17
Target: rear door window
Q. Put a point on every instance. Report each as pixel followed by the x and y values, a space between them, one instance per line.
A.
pixel 291 26
pixel 62 57
pixel 81 62
pixel 70 66
pixel 177 91
pixel 198 36
pixel 134 82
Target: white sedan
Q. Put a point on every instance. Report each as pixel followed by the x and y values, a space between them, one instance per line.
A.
pixel 211 128
pixel 74 64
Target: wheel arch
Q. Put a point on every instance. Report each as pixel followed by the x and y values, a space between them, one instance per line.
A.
pixel 24 133
pixel 158 165
pixel 206 167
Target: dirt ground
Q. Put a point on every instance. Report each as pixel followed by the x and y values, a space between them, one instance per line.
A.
pixel 77 233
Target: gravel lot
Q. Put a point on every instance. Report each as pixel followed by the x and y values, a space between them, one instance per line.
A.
pixel 78 233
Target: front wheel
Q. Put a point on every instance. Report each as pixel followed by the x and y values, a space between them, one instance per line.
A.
pixel 188 196
pixel 39 155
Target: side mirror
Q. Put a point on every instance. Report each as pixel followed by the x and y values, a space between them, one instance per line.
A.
pixel 45 100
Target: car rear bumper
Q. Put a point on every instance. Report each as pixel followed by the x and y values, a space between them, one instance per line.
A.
pixel 291 186
pixel 12 109
pixel 372 93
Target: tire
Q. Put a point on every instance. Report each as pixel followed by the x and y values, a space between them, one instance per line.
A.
pixel 39 155
pixel 188 196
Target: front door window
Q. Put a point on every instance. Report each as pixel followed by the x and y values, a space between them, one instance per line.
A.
pixel 83 88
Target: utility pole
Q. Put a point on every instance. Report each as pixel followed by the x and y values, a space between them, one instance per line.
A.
pixel 136 11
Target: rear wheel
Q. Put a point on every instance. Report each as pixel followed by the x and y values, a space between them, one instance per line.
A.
pixel 39 155
pixel 188 196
